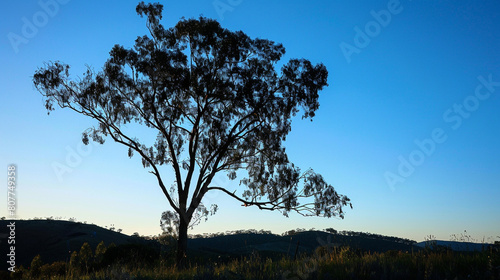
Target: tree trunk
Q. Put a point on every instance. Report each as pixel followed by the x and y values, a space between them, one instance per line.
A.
pixel 182 244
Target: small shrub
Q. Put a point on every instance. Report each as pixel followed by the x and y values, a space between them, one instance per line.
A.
pixel 100 250
pixel 53 270
pixel 36 266
pixel 85 256
pixel 74 263
pixel 19 273
pixel 130 254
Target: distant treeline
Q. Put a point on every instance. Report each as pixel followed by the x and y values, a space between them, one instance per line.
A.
pixel 373 236
pixel 298 230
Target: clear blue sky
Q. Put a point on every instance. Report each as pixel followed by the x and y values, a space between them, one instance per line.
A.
pixel 400 73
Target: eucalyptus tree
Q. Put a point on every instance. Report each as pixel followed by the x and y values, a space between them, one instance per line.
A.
pixel 217 104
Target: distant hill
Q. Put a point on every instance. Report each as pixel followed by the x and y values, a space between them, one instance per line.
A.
pixel 301 242
pixel 54 240
pixel 457 246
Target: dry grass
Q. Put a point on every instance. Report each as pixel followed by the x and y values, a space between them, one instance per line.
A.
pixel 340 263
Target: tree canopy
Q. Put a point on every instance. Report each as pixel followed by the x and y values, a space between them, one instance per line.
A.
pixel 217 104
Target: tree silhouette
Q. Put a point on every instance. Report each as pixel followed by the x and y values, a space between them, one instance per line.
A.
pixel 217 104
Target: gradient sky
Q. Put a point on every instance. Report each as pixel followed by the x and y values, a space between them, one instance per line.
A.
pixel 408 128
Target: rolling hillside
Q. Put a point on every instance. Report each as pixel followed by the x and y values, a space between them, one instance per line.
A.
pixel 457 246
pixel 301 242
pixel 54 240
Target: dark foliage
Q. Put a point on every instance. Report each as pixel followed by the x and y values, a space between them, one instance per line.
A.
pixel 138 255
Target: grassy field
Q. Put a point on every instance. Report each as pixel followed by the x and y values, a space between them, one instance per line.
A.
pixel 140 262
